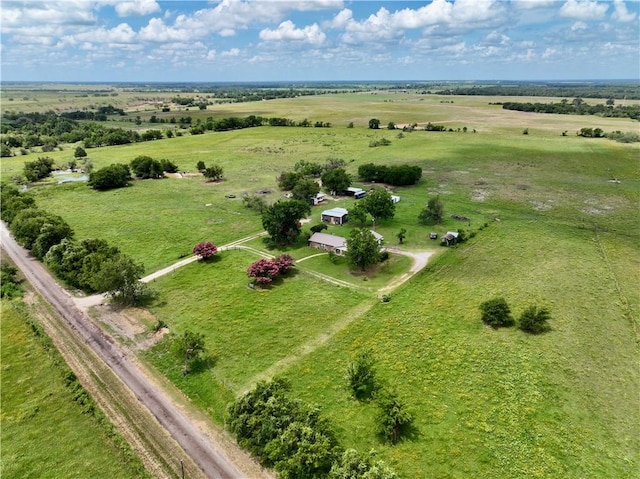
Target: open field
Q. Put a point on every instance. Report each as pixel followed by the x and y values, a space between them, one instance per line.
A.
pixel 44 432
pixel 560 233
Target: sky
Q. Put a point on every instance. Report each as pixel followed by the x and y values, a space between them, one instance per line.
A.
pixel 318 40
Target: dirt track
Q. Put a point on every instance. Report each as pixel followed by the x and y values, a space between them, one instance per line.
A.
pixel 199 448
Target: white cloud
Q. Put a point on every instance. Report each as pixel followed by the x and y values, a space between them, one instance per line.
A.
pixel 341 20
pixel 139 7
pixel 211 55
pixel 123 33
pixel 621 14
pixel 287 31
pixel 583 10
pixel 157 31
pixel 532 4
pixel 577 26
pixel 549 53
pixel 233 52
pixel 71 12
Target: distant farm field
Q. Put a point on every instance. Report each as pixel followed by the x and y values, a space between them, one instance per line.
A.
pixel 555 223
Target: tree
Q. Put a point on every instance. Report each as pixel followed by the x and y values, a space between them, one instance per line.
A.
pixel 305 190
pixel 496 313
pixel 358 213
pixel 201 166
pixel 189 346
pixel 263 271
pixel 379 204
pixel 362 249
pixel 109 177
pixel 254 202
pixel 534 320
pixel 393 418
pixel 401 235
pixel 205 250
pixel 213 173
pixel 284 263
pixel 335 180
pixel 54 230
pixel 374 123
pixel 38 169
pixel 354 465
pixel 360 375
pixel 282 220
pixel 289 179
pixel 433 212
pixel 145 167
pixel 79 152
pixel 318 228
pixel 119 277
pixel 391 126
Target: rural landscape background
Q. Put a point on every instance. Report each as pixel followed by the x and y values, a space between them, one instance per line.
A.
pixel 163 313
pixel 554 217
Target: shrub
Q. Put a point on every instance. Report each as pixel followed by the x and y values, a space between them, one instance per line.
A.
pixel 393 418
pixel 496 313
pixel 534 320
pixel 205 250
pixel 360 375
pixel 318 228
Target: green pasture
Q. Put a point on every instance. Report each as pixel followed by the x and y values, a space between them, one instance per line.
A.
pixel 44 432
pixel 247 330
pixel 556 224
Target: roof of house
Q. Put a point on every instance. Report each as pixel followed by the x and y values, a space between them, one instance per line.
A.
pixel 354 189
pixel 339 212
pixel 328 239
pixel 377 236
pixel 453 233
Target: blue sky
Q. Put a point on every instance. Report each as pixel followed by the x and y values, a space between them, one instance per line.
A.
pixel 278 40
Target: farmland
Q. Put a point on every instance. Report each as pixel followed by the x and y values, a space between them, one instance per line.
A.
pixel 555 223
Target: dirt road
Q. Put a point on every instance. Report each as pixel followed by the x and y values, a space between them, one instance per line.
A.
pixel 206 455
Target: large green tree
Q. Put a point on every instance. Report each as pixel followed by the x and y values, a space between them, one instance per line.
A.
pixel 362 249
pixel 120 276
pixel 305 190
pixel 336 180
pixel 145 167
pixel 109 177
pixel 379 204
pixel 282 220
pixel 358 213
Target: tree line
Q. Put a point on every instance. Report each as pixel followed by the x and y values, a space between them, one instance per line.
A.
pixel 91 265
pixel 599 90
pixel 577 107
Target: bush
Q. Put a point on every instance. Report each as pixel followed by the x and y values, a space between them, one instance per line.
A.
pixel 318 228
pixel 205 250
pixel 145 167
pixel 496 313
pixel 255 202
pixel 534 320
pixel 393 419
pixel 109 177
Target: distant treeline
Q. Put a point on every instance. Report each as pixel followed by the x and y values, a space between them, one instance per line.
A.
pixel 48 130
pixel 629 91
pixel 576 107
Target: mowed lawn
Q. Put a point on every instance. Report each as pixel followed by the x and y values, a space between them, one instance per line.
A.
pixel 44 432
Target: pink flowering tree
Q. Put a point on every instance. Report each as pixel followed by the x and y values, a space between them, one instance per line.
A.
pixel 284 263
pixel 263 271
pixel 205 250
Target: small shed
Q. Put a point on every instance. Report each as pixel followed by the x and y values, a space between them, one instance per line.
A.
pixel 450 238
pixel 335 216
pixel 395 198
pixel 433 235
pixel 328 242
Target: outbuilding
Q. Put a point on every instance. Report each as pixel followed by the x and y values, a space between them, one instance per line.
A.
pixel 335 216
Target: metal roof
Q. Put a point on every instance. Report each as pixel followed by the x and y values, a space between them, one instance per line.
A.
pixel 339 212
pixel 328 239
